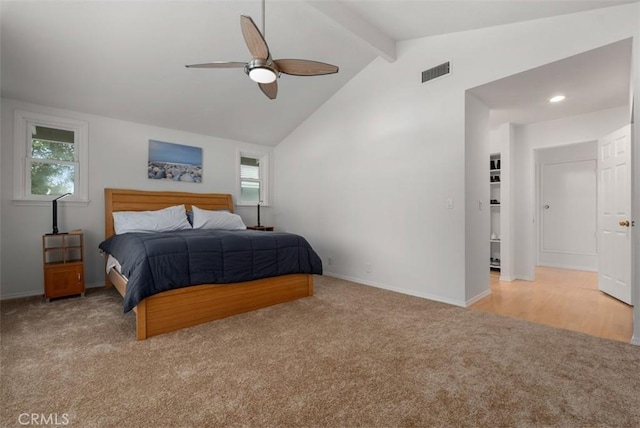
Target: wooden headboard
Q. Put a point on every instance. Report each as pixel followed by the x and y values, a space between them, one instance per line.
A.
pixel 146 200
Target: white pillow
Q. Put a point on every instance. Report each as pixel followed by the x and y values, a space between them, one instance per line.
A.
pixel 165 220
pixel 206 219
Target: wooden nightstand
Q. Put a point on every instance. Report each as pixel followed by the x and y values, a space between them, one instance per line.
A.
pixel 63 262
pixel 267 228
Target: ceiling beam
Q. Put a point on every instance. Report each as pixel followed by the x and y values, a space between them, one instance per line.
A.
pixel 380 42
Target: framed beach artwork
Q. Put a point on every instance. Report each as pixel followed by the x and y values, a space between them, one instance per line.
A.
pixel 175 162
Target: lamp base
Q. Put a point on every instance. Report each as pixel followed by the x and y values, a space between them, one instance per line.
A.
pixel 267 228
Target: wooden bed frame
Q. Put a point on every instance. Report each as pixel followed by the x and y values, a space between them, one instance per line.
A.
pixel 185 307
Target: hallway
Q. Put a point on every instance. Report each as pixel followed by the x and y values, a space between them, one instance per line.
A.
pixel 561 298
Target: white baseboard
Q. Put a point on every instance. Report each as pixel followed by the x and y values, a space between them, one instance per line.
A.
pixel 94 285
pixel 398 290
pixel 33 293
pixel 570 267
pixel 21 295
pixel 478 297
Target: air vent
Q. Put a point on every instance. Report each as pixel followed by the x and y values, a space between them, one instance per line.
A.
pixel 435 72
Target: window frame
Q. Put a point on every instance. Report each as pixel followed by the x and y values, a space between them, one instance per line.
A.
pixel 23 121
pixel 263 162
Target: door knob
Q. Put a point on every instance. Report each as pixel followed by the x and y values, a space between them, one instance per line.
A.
pixel 624 223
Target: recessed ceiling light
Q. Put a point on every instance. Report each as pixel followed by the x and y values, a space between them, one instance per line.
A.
pixel 557 98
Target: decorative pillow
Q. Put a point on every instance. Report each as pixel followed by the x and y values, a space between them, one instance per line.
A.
pixel 165 220
pixel 206 219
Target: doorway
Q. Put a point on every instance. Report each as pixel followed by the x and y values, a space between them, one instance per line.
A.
pixel 527 136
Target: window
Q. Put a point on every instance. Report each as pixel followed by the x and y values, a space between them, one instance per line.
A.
pixel 253 179
pixel 50 157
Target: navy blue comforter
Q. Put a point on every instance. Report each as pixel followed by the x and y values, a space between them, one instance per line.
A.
pixel 156 262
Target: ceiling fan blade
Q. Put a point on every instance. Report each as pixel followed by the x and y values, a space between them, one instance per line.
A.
pixel 303 67
pixel 253 38
pixel 270 89
pixel 218 64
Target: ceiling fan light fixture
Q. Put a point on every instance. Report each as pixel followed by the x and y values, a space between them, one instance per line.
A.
pixel 262 75
pixel 262 69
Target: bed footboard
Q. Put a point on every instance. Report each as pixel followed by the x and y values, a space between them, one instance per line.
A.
pixel 185 307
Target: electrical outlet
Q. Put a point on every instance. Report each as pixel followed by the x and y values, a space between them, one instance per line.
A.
pixel 329 261
pixel 367 267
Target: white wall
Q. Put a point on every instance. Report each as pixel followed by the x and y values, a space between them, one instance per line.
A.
pixel 477 209
pixel 118 154
pixel 528 138
pixel 367 177
pixel 635 95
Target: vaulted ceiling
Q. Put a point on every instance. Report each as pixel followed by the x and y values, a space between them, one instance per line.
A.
pixel 125 59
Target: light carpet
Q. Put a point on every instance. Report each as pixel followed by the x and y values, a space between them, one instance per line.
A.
pixel 349 356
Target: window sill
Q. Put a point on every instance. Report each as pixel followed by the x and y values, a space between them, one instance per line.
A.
pixel 33 203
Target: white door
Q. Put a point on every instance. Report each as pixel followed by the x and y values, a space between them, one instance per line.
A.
pixel 614 214
pixel 569 207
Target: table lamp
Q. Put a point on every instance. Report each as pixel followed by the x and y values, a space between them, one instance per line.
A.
pixel 55 213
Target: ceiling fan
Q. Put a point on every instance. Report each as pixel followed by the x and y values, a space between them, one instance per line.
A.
pixel 262 68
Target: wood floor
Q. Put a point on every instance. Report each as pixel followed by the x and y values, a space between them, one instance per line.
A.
pixel 561 298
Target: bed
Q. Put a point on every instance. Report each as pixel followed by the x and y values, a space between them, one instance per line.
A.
pixel 196 304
